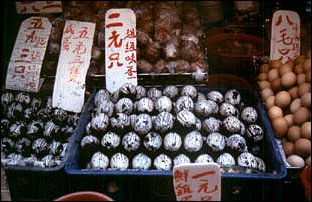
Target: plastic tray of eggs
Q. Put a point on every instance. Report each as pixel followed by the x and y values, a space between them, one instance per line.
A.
pixel 148 130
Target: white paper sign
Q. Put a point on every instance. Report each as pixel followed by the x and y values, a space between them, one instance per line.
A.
pixel 120 48
pixel 27 56
pixel 73 64
pixel 285 36
pixel 197 182
pixel 23 7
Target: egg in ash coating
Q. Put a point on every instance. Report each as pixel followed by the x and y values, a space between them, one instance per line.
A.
pixel 193 141
pixel 162 162
pixel 234 125
pixel 226 159
pixel 184 102
pixel 190 91
pixel 99 161
pixel 110 140
pixel 119 161
pixel 141 161
pixel 227 109
pixel 163 122
pixel 131 141
pixel 171 91
pixel 215 96
pixel 204 158
pixel 172 141
pixel 206 107
pixel 144 105
pixel 163 104
pixel 181 159
pixel 255 132
pixel 247 159
pixel 152 141
pixel 211 124
pixel 233 97
pixel 143 123
pixel 237 143
pixel 216 141
pixel 249 115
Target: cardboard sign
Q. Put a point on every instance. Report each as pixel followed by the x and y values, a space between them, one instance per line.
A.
pixel 23 7
pixel 73 64
pixel 27 56
pixel 197 182
pixel 120 48
pixel 285 36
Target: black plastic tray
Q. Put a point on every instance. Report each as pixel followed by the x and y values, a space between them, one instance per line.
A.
pixel 271 155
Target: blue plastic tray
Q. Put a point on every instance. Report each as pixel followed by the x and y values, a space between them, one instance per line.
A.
pixel 271 156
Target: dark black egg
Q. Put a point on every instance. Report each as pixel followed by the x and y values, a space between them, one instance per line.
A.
pixel 51 129
pixel 59 116
pixel 55 148
pixel 89 142
pixel 40 146
pixel 15 110
pixel 7 98
pixel 127 90
pixel 36 103
pixel 29 113
pixel 17 129
pixel 7 145
pixel 5 123
pixel 23 146
pixel 34 129
pixel 44 114
pixel 23 98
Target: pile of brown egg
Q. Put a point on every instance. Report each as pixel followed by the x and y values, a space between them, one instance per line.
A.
pixel 286 93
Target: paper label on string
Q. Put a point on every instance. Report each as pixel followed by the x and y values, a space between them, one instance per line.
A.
pixel 285 36
pixel 27 56
pixel 197 182
pixel 120 48
pixel 25 7
pixel 73 65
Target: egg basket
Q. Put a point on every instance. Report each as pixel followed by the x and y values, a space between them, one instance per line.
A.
pixel 234 52
pixel 158 183
pixel 29 182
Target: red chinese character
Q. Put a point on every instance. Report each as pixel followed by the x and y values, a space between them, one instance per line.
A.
pixel 19 71
pixel 77 60
pixel 199 175
pixel 73 73
pixel 186 198
pixel 286 40
pixel 31 37
pixel 206 198
pixel 50 4
pixel 23 55
pixel 179 175
pixel 114 24
pixel 29 4
pixel 113 39
pixel 131 59
pixel 66 43
pixel 69 29
pixel 114 56
pixel 83 33
pixel 80 48
pixel 36 23
pixel 130 72
pixel 130 33
pixel 204 187
pixel 182 189
pixel 284 51
pixel 130 46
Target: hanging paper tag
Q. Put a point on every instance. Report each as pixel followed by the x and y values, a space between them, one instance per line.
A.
pixel 23 7
pixel 120 48
pixel 285 36
pixel 73 64
pixel 197 182
pixel 27 56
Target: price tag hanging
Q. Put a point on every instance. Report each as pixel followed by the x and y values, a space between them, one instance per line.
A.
pixel 73 65
pixel 120 48
pixel 197 182
pixel 27 56
pixel 285 36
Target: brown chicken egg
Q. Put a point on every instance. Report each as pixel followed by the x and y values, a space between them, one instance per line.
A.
pixel 294 133
pixel 282 99
pixel 295 105
pixel 264 68
pixel 306 130
pixel 285 68
pixel 308 77
pixel 264 84
pixel 301 115
pixel 304 88
pixel 300 59
pixel 293 92
pixel 273 74
pixel 298 69
pixel 276 85
pixel 269 102
pixel 276 63
pixel 275 112
pixel 303 147
pixel 306 100
pixel 288 80
pixel 280 127
pixel 263 76
pixel 300 78
pixel 267 92
pixel 289 147
pixel 290 119
pixel 307 65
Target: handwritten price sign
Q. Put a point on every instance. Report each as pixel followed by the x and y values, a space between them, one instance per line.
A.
pixel 120 48
pixel 23 7
pixel 197 182
pixel 285 36
pixel 74 61
pixel 28 54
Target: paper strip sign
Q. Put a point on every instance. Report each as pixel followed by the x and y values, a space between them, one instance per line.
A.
pixel 27 56
pixel 73 64
pixel 197 182
pixel 120 48
pixel 285 36
pixel 23 7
